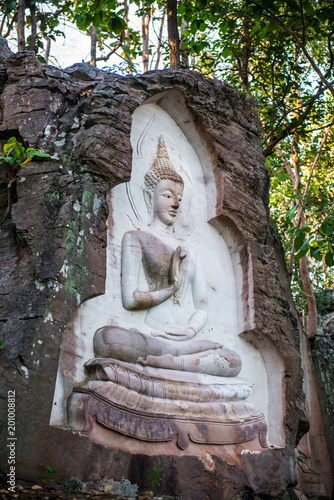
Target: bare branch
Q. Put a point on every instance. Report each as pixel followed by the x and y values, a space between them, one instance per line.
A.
pixel 48 45
pixel 303 20
pixel 145 30
pixel 274 140
pixel 245 50
pixel 330 53
pixel 93 41
pixel 126 33
pixel 3 22
pixel 234 52
pixel 316 160
pixel 105 58
pixel 310 298
pixel 293 34
pixel 160 36
pixel 286 164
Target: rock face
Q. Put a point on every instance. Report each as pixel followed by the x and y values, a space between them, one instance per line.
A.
pixel 53 258
pixel 322 352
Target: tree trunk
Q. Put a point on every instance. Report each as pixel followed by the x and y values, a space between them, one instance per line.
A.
pixel 47 50
pixel 20 25
pixel 245 52
pixel 173 34
pixel 310 298
pixel 93 40
pixel 33 27
pixel 160 37
pixel 145 29
pixel 48 45
pixel 127 35
pixel 4 17
pixel 185 52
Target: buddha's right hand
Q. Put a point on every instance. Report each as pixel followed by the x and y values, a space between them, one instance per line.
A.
pixel 175 267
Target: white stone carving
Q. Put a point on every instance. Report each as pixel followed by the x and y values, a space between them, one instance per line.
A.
pixel 208 309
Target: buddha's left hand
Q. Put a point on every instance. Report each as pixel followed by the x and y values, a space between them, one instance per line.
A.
pixel 177 334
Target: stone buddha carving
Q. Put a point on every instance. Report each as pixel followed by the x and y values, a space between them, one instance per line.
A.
pixel 165 383
pixel 170 267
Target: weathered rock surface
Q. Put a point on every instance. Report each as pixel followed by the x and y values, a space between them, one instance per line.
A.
pixel 322 352
pixel 53 258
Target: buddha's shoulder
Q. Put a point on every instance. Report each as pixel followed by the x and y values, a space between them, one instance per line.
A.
pixel 139 235
pixel 148 240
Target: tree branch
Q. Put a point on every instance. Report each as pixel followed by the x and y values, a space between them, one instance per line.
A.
pixel 33 23
pixel 3 22
pixel 48 45
pixel 160 37
pixel 145 30
pixel 286 164
pixel 105 58
pixel 310 298
pixel 93 41
pixel 173 34
pixel 274 140
pixel 20 25
pixel 293 34
pixel 314 164
pixel 303 20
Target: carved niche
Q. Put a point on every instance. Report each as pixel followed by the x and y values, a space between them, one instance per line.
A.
pixel 167 354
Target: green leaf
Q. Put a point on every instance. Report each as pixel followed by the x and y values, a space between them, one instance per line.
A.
pixel 116 25
pixel 316 253
pixel 226 52
pixel 329 259
pixel 290 214
pixel 193 27
pixel 304 248
pixel 78 18
pixel 98 18
pixel 326 228
pixel 10 160
pixel 87 22
pixel 10 5
pixel 40 154
pixel 302 252
pixel 8 148
pixel 224 28
pixel 18 148
pixel 299 240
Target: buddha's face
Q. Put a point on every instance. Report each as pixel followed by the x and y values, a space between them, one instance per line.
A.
pixel 166 201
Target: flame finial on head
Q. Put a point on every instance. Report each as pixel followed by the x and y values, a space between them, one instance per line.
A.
pixel 161 169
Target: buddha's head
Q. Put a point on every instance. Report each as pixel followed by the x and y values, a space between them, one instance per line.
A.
pixel 163 188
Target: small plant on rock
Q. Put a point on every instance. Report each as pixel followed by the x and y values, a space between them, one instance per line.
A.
pixel 72 485
pixel 155 476
pixel 14 157
pixel 301 460
pixel 50 475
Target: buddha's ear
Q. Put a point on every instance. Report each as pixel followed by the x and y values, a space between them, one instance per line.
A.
pixel 148 197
